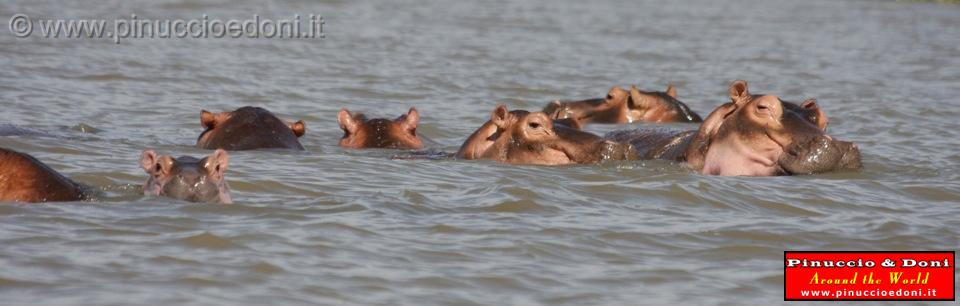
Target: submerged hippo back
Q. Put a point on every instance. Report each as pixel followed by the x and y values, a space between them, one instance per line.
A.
pixel 26 179
pixel 248 128
pixel 655 143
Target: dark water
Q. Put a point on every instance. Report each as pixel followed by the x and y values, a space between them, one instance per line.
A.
pixel 334 226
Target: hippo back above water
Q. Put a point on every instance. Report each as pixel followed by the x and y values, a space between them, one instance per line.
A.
pixel 23 178
pixel 248 128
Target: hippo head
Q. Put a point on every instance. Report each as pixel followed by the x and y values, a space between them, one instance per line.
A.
pixel 248 128
pixel 762 135
pixel 187 178
pixel 360 132
pixel 622 106
pixel 522 137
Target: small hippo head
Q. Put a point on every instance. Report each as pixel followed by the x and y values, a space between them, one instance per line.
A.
pixel 622 106
pixel 523 137
pixel 248 128
pixel 360 132
pixel 762 135
pixel 187 178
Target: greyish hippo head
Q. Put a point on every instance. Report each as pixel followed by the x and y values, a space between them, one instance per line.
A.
pixel 187 178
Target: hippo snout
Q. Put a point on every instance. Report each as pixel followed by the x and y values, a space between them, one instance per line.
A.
pixel 191 186
pixel 820 154
pixel 851 155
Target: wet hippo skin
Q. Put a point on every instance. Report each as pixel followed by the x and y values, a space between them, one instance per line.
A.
pixel 360 132
pixel 522 137
pixel 23 178
pixel 248 128
pixel 622 106
pixel 753 135
pixel 187 178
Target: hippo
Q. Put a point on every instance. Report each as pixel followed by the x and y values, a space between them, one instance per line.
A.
pixel 248 128
pixel 360 132
pixel 522 137
pixel 622 106
pixel 753 135
pixel 187 178
pixel 23 178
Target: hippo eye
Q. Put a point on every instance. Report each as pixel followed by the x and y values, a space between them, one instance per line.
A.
pixel 158 167
pixel 534 125
pixel 609 97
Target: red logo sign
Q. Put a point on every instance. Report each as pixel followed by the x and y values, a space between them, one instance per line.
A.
pixel 876 276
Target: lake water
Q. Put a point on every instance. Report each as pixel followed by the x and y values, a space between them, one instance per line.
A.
pixel 331 226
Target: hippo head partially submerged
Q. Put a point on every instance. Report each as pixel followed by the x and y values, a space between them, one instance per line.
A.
pixel 360 132
pixel 622 106
pixel 522 137
pixel 762 135
pixel 248 128
pixel 187 178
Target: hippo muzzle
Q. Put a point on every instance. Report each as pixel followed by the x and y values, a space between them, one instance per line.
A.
pixel 191 185
pixel 820 154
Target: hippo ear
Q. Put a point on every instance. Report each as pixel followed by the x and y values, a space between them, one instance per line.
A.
pixel 210 120
pixel 299 128
pixel 616 94
pixel 818 116
pixel 671 91
pixel 207 119
pixel 148 161
pixel 347 123
pixel 553 109
pixel 410 120
pixel 499 116
pixel 216 164
pixel 637 100
pixel 154 164
pixel 739 92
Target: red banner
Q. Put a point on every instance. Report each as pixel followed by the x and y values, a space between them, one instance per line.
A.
pixel 876 276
